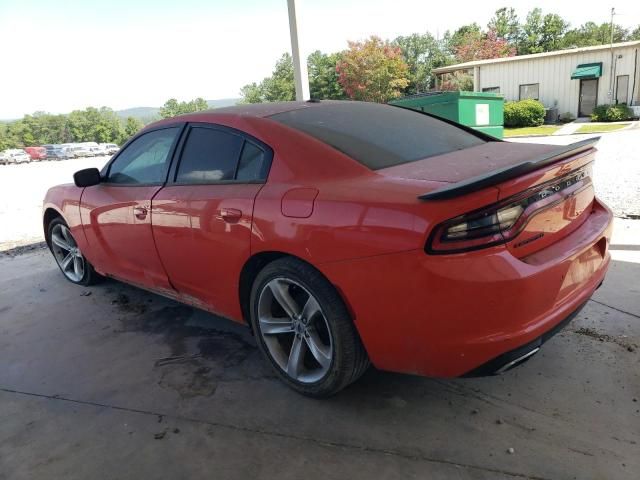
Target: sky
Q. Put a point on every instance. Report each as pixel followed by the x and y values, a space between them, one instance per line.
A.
pixel 61 55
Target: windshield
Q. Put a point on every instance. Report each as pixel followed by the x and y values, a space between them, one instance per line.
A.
pixel 378 136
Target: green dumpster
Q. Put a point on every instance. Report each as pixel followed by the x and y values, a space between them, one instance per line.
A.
pixel 481 111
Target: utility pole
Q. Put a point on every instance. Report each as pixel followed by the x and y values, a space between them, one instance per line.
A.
pixel 610 93
pixel 300 75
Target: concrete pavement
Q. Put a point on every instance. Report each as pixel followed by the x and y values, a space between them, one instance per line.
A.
pixel 114 382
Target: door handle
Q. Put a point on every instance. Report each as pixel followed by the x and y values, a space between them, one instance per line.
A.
pixel 140 212
pixel 230 215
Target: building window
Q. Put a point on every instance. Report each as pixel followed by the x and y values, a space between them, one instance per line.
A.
pixel 622 89
pixel 530 90
pixel 491 89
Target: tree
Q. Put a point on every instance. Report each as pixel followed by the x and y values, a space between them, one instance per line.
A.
pixel 457 81
pixel 484 47
pixel 323 78
pixel 131 127
pixel 7 137
pixel 591 33
pixel 461 36
pixel 278 87
pixel 422 53
pixel 88 125
pixel 251 93
pixel 553 30
pixel 635 35
pixel 542 33
pixel 373 71
pixel 506 25
pixel 172 107
pixel 94 125
pixel 531 32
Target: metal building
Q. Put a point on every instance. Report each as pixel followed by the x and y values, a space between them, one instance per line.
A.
pixel 574 81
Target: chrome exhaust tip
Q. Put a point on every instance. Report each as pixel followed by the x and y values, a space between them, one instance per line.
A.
pixel 517 361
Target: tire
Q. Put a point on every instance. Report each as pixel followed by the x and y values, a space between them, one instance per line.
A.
pixel 328 348
pixel 63 246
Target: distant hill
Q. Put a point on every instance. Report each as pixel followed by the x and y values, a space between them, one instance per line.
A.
pixel 146 114
pixel 223 102
pixel 149 114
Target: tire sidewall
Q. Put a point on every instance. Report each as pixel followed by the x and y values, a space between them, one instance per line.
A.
pixel 86 278
pixel 334 312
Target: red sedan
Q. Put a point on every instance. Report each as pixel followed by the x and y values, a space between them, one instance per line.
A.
pixel 345 233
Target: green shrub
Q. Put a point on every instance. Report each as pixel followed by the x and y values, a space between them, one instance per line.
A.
pixel 611 113
pixel 525 113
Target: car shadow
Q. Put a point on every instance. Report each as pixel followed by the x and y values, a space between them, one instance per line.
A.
pixel 206 350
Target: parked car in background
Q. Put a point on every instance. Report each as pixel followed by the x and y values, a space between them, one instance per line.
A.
pixel 81 151
pixel 4 158
pixel 110 148
pixel 68 147
pixel 17 155
pixel 97 151
pixel 68 152
pixel 56 152
pixel 36 153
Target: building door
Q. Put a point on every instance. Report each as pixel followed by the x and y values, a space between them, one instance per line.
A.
pixel 588 96
pixel 622 89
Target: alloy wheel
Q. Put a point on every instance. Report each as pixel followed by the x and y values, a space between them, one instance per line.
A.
pixel 67 254
pixel 295 330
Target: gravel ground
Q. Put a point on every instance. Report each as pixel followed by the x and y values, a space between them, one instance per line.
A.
pixel 22 187
pixel 617 168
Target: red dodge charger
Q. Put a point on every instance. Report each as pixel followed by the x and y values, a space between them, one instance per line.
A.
pixel 345 233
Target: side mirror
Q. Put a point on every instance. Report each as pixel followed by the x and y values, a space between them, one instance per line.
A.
pixel 87 177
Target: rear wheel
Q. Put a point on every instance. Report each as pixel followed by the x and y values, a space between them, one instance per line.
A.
pixel 68 256
pixel 303 328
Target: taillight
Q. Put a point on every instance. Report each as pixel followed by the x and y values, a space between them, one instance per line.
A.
pixel 502 221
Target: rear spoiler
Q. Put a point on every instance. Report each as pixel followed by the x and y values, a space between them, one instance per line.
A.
pixel 507 173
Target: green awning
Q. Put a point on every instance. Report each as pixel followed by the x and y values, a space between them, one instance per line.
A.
pixel 587 70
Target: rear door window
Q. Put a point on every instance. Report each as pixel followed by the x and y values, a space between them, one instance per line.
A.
pixel 209 155
pixel 212 155
pixel 251 166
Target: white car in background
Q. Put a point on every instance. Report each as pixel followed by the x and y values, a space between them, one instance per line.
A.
pixel 110 148
pixel 97 151
pixel 68 149
pixel 16 155
pixel 81 151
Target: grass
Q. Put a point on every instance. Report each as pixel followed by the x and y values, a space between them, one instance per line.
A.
pixel 601 128
pixel 531 131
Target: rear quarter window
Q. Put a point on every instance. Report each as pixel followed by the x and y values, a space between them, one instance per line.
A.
pixel 378 136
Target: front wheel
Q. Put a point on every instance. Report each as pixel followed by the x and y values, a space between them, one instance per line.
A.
pixel 304 329
pixel 72 263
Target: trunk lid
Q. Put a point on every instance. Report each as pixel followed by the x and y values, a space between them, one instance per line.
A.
pixel 462 165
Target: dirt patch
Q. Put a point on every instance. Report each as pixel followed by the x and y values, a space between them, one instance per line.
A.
pixel 624 342
pixel 202 354
pixel 124 304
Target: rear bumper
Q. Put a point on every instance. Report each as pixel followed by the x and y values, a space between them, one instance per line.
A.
pixel 448 315
pixel 518 356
